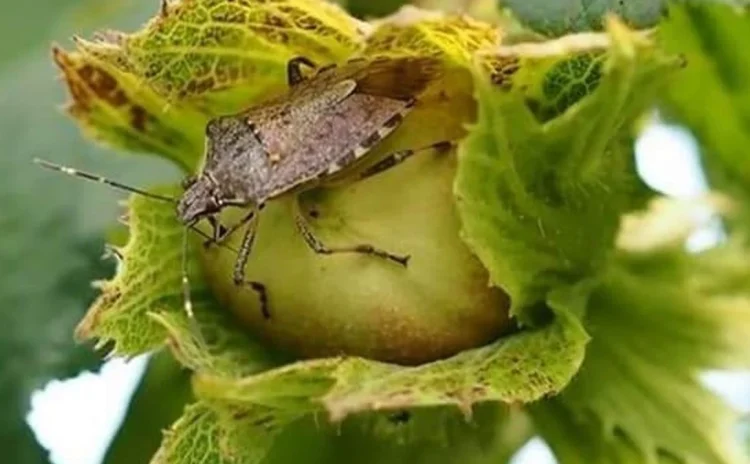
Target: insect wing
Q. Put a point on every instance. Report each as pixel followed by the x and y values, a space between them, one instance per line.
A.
pixel 333 139
pixel 401 78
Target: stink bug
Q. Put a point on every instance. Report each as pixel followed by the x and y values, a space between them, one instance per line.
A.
pixel 313 134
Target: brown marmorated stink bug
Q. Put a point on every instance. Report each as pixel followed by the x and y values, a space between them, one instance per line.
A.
pixel 311 136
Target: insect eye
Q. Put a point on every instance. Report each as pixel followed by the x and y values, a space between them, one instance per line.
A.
pixel 188 182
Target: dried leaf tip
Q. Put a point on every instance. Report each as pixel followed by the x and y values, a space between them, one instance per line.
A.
pixel 163 8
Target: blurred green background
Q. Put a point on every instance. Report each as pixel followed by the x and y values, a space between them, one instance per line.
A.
pixel 52 228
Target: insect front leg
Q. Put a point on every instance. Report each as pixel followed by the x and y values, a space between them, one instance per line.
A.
pixel 319 247
pixel 239 266
pixel 294 70
pixel 218 231
pixel 398 157
pixel 222 233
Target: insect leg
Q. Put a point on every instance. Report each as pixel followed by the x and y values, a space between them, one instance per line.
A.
pixel 217 231
pixel 294 70
pixel 221 233
pixel 239 266
pixel 396 158
pixel 319 247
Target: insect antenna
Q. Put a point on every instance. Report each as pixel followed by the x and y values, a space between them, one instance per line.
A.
pixel 188 302
pixel 120 186
pixel 102 180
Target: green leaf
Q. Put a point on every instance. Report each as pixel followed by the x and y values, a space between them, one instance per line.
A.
pixel 660 318
pixel 486 441
pixel 198 47
pixel 564 16
pixel 712 94
pixel 159 400
pixel 547 171
pixel 573 440
pixel 194 439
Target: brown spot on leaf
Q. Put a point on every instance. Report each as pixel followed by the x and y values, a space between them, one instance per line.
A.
pixel 502 69
pixel 263 421
pixel 195 87
pixel 479 391
pixel 277 21
pixel 102 84
pixel 77 91
pixel 86 82
pixel 138 117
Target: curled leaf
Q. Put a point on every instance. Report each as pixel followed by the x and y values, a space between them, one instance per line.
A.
pixel 520 368
pixel 540 194
pixel 512 370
